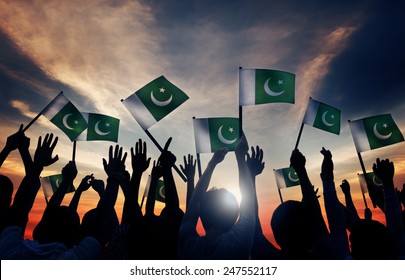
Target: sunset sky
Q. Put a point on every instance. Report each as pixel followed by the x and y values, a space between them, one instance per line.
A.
pixel 348 54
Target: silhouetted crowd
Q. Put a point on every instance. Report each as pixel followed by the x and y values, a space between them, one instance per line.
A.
pixel 232 230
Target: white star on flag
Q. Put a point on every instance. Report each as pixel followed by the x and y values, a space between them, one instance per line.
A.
pixel 162 89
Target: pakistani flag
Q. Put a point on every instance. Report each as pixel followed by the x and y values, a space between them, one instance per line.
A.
pixel 160 194
pixel 322 116
pixel 372 180
pixel 286 178
pixel 65 115
pixel 154 101
pixel 51 183
pixel 375 132
pixel 100 127
pixel 214 133
pixel 261 86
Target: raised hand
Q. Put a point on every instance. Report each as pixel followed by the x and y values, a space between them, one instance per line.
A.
pixel 115 167
pixel 255 161
pixel 327 165
pixel 69 172
pixel 98 186
pixel 86 183
pixel 17 140
pixel 345 186
pixel 384 169
pixel 43 154
pixel 242 148
pixel 167 159
pixel 189 167
pixel 297 160
pixel 139 159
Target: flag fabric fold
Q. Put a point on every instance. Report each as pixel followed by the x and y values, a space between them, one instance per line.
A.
pixel 375 132
pixel 286 178
pixel 154 101
pixel 323 116
pixel 61 112
pixel 100 128
pixel 214 133
pixel 51 183
pixel 261 86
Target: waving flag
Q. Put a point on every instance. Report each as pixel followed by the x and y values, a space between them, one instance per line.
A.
pixel 160 194
pixel 61 112
pixel 372 179
pixel 375 132
pixel 154 101
pixel 322 116
pixel 214 133
pixel 51 183
pixel 100 127
pixel 286 178
pixel 261 86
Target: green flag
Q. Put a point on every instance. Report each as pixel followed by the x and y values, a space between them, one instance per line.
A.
pixel 261 86
pixel 286 177
pixel 375 132
pixel 51 183
pixel 371 179
pixel 214 133
pixel 61 112
pixel 100 127
pixel 154 101
pixel 160 194
pixel 322 116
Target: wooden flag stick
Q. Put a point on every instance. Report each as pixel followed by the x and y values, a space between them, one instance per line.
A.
pixel 279 193
pixel 365 178
pixel 199 165
pixel 161 150
pixel 143 199
pixel 74 151
pixel 299 136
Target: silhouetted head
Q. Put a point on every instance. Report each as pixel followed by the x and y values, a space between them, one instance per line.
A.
pixel 293 227
pixel 6 191
pixel 370 240
pixel 219 209
pixel 58 224
pixel 90 225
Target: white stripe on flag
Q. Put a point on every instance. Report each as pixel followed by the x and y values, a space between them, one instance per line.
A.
pixel 55 106
pixel 139 111
pixel 310 113
pixel 202 136
pixel 83 135
pixel 363 183
pixel 247 87
pixel 146 191
pixel 278 173
pixel 46 186
pixel 359 136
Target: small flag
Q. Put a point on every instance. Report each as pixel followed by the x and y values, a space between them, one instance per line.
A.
pixel 372 180
pixel 160 194
pixel 61 112
pixel 51 183
pixel 322 116
pixel 286 177
pixel 100 127
pixel 261 86
pixel 375 132
pixel 154 101
pixel 214 133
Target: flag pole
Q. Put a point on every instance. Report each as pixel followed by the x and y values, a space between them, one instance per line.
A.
pixel 240 110
pixel 363 168
pixel 198 162
pixel 364 174
pixel 161 150
pixel 279 192
pixel 74 151
pixel 143 199
pixel 36 118
pixel 299 136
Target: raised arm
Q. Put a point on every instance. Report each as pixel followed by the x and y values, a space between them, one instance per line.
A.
pixel 26 193
pixel 189 171
pixel 84 186
pixel 140 162
pixel 309 196
pixel 17 141
pixel 384 169
pixel 191 215
pixel 69 173
pixel 334 211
